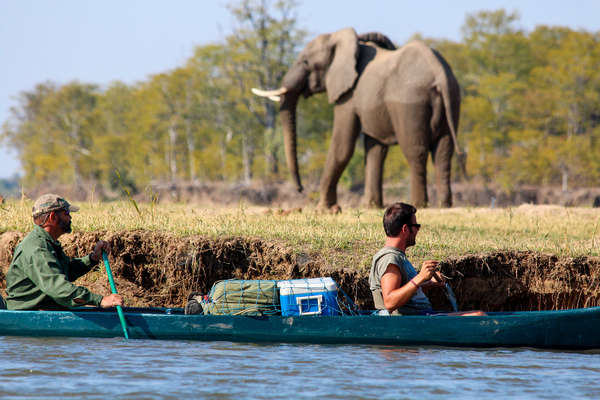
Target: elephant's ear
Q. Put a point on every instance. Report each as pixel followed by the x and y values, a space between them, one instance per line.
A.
pixel 342 72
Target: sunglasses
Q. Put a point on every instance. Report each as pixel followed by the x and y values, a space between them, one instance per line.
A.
pixel 418 226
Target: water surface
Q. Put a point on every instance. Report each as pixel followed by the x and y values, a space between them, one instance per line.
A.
pixel 92 368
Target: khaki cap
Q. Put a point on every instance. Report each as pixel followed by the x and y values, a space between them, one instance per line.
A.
pixel 51 202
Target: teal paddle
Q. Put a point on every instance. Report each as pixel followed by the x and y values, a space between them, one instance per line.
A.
pixel 114 290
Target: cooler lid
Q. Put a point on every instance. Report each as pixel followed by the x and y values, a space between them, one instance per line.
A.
pixel 310 284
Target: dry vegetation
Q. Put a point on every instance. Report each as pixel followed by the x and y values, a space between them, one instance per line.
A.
pixel 350 237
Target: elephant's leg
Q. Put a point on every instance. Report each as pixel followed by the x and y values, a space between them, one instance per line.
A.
pixel 412 129
pixel 417 159
pixel 442 160
pixel 375 153
pixel 346 129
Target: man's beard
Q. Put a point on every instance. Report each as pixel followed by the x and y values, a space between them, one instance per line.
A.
pixel 65 226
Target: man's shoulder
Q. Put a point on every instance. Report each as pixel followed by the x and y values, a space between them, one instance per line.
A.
pixel 34 241
pixel 389 252
pixel 381 260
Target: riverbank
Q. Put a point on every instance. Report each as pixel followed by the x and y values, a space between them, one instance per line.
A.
pixel 542 257
pixel 284 194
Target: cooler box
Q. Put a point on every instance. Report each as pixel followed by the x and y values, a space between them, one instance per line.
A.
pixel 314 296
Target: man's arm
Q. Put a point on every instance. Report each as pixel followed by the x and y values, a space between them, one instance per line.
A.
pixel 81 266
pixel 47 275
pixel 395 295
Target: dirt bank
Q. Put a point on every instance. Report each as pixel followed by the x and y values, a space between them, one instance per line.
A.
pixel 160 269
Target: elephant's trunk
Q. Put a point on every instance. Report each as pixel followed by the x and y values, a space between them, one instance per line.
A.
pixel 288 121
pixel 293 84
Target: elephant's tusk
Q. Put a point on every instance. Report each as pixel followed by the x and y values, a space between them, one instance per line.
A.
pixel 269 93
pixel 275 98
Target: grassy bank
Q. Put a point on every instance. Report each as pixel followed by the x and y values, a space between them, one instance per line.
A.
pixel 350 238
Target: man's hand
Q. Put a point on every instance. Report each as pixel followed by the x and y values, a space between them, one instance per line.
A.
pixel 438 277
pixel 437 280
pixel 428 270
pixel 97 252
pixel 111 300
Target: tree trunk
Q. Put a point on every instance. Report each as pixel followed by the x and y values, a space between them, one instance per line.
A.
pixel 247 157
pixel 191 142
pixel 172 156
pixel 223 153
pixel 564 170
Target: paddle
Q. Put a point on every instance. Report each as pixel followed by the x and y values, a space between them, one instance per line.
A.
pixel 451 297
pixel 448 291
pixel 114 290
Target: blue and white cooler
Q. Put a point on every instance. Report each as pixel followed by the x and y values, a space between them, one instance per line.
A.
pixel 314 296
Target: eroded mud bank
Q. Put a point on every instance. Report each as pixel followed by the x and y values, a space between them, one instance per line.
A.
pixel 160 269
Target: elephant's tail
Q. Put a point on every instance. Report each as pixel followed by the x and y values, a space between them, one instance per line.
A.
pixel 448 87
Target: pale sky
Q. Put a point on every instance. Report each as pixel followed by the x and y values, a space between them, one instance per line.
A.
pixel 103 41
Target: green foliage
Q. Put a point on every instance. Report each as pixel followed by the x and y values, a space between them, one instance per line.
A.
pixel 530 101
pixel 530 111
pixel 52 131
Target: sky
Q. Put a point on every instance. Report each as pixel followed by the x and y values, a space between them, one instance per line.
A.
pixel 114 40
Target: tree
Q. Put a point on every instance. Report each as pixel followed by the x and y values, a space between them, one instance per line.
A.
pixel 530 112
pixel 52 130
pixel 118 148
pixel 567 85
pixel 262 46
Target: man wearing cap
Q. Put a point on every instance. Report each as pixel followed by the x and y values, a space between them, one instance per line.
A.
pixel 40 273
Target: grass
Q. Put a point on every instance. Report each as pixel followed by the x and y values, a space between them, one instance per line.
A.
pixel 351 238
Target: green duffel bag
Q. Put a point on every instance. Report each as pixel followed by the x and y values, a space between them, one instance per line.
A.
pixel 243 297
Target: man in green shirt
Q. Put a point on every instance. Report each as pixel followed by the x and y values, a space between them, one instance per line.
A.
pixel 40 275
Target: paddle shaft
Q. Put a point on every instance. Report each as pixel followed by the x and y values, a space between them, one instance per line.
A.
pixel 113 288
pixel 451 297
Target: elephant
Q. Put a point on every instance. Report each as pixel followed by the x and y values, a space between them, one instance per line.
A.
pixel 406 95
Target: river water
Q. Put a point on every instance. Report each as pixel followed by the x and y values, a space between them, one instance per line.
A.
pixel 32 368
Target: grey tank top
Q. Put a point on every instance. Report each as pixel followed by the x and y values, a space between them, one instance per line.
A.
pixel 391 255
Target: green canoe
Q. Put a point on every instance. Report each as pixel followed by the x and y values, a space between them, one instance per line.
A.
pixel 566 329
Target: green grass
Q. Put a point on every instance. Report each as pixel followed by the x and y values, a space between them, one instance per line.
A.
pixel 351 238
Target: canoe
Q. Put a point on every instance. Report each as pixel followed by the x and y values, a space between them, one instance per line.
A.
pixel 564 329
